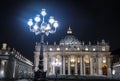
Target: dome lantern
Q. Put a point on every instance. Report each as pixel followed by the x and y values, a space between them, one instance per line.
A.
pixel 69 31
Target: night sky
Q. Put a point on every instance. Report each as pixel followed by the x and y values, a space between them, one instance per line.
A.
pixel 90 20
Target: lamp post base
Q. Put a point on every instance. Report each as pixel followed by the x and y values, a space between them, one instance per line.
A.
pixel 40 76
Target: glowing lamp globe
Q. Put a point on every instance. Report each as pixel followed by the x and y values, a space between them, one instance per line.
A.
pixel 30 23
pixel 35 27
pixel 43 13
pixel 55 24
pixel 37 18
pixel 51 20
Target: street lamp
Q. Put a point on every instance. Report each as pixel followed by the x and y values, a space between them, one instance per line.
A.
pixel 38 25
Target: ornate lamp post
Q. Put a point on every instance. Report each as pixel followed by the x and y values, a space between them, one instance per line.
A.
pixel 38 25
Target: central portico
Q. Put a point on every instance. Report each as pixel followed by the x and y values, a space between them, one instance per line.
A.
pixel 73 57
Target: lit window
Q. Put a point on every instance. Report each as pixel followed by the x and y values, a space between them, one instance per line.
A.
pixel 58 49
pixel 78 59
pixel 86 59
pixel 72 58
pixel 56 59
pixel 86 49
pixel 50 49
pixel 103 48
pixel 78 48
pixel 66 49
pixel 104 59
pixel 6 53
pixel 72 65
pixel 94 49
pixel 66 61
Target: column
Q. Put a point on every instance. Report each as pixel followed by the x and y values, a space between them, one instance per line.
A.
pixel 76 67
pixel 69 65
pixel 81 66
pixel 108 68
pixel 45 65
pixel 63 65
pixel 13 68
pixel 99 65
pixel 91 65
pixel 95 66
pixel 36 60
pixel 84 68
pixel 48 65
pixel 83 63
pixel 53 70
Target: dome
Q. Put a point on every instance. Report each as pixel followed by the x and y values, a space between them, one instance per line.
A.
pixel 69 39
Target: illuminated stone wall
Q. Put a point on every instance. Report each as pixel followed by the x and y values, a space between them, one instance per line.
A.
pixel 14 65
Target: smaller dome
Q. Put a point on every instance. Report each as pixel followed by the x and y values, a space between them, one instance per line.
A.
pixel 69 39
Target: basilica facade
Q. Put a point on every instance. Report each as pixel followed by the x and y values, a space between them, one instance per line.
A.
pixel 73 57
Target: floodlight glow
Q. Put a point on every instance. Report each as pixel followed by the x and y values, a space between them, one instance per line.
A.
pixel 55 24
pixel 30 23
pixel 51 20
pixel 58 63
pixel 37 18
pixel 2 72
pixel 43 13
pixel 113 72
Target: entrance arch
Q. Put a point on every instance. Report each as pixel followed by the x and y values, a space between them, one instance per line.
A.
pixel 104 69
pixel 72 64
pixel 87 64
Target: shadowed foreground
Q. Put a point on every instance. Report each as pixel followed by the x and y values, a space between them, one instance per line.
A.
pixel 69 78
pixel 63 80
